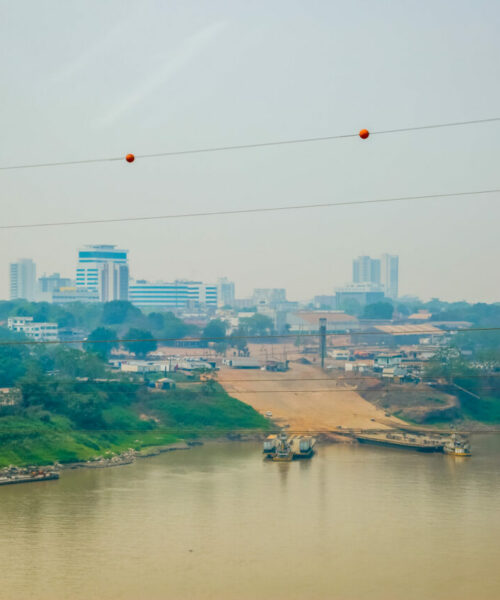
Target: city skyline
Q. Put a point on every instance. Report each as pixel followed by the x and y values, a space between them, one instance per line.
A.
pixel 102 274
pixel 85 291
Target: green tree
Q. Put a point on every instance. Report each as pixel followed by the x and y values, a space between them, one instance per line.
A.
pixel 378 310
pixel 142 342
pixel 102 341
pixel 12 357
pixel 215 331
pixel 351 306
pixel 258 324
pixel 34 387
pixel 75 363
pixel 448 363
pixel 175 328
pixel 118 312
pixel 238 338
pixel 220 347
pixel 156 321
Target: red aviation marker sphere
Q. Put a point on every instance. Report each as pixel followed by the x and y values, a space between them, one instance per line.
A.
pixel 130 158
pixel 364 133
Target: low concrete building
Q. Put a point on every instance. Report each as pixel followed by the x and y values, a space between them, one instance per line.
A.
pixel 46 332
pixel 383 361
pixel 307 321
pixel 10 396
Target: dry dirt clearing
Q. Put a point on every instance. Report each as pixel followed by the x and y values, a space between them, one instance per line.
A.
pixel 305 398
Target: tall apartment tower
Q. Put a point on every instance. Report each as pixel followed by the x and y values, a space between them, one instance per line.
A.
pixel 113 282
pixel 390 274
pixel 103 268
pixel 366 270
pixel 225 292
pixel 23 279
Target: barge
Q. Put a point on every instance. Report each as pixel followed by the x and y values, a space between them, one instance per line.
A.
pixel 454 444
pixel 282 448
pixel 14 475
pixel 408 441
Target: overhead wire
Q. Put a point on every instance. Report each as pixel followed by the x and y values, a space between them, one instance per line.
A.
pixel 239 337
pixel 241 211
pixel 267 144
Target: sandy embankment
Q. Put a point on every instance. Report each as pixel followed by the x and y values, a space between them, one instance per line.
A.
pixel 305 398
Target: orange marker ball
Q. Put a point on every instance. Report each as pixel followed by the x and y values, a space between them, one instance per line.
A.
pixel 130 158
pixel 364 133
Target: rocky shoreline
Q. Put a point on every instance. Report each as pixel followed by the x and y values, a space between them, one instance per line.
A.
pixel 110 459
pixel 129 456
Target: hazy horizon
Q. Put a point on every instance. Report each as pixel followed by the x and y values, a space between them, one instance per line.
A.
pixel 148 78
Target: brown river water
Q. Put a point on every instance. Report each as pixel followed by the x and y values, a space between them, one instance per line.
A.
pixel 217 522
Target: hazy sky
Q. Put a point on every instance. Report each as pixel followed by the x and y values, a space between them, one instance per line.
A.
pixel 104 78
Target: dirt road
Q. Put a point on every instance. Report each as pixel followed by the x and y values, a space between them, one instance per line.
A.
pixel 305 398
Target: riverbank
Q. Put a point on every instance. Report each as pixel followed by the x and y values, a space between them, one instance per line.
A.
pixel 121 424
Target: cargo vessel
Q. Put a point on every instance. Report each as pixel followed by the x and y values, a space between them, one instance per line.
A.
pixel 408 441
pixel 13 475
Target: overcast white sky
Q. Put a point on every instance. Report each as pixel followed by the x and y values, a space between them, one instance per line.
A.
pixel 103 78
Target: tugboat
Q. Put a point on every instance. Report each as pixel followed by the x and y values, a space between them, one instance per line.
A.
pixel 457 446
pixel 282 450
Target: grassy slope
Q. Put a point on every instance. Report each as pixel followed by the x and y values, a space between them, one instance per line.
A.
pixel 427 405
pixel 179 414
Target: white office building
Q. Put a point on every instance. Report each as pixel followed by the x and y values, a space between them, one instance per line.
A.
pixel 225 292
pixel 23 279
pixel 45 332
pixel 103 268
pixel 366 270
pixel 67 295
pixel 390 275
pixel 176 295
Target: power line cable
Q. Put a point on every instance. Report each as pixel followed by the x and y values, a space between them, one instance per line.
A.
pixel 340 380
pixel 212 149
pixel 186 431
pixel 236 337
pixel 250 210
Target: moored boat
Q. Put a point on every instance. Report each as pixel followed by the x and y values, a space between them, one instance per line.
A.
pixel 12 475
pixel 457 446
pixel 403 440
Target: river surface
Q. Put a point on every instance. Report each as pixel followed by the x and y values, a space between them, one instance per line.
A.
pixel 217 522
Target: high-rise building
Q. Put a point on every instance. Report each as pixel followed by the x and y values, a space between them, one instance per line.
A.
pixel 50 283
pixel 113 282
pixel 103 268
pixel 179 294
pixel 269 296
pixel 366 270
pixel 390 274
pixel 23 279
pixel 225 292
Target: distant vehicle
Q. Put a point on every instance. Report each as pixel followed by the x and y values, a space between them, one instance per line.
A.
pixel 269 413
